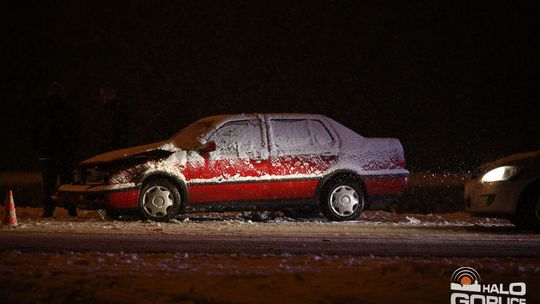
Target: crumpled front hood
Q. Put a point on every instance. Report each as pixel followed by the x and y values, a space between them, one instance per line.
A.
pixel 165 146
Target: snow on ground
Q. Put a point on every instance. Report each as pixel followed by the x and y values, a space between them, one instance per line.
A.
pixel 253 223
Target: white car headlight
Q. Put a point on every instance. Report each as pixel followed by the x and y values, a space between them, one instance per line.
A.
pixel 500 174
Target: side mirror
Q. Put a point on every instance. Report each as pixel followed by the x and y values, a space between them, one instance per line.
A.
pixel 208 147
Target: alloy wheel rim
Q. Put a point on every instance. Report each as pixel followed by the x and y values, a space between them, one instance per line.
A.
pixel 344 201
pixel 158 201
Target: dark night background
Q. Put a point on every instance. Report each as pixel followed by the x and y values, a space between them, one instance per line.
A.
pixel 457 83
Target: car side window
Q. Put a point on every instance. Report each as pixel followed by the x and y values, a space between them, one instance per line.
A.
pixel 241 139
pixel 291 136
pixel 321 136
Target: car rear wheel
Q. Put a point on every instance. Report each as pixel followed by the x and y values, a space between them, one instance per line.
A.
pixel 342 200
pixel 159 200
pixel 528 212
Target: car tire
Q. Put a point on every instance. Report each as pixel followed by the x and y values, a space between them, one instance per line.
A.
pixel 342 200
pixel 159 200
pixel 528 212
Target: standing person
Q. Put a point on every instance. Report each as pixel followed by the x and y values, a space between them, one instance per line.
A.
pixel 55 137
pixel 114 120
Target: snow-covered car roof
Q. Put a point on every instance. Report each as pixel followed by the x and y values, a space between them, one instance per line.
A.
pixel 198 131
pixel 217 121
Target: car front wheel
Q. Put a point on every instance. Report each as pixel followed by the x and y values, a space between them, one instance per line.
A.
pixel 159 200
pixel 342 200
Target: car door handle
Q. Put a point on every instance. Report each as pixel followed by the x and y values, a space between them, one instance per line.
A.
pixel 254 156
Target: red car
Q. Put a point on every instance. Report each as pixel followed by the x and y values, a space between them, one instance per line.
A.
pixel 245 162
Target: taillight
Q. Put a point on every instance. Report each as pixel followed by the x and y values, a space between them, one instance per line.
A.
pixel 401 162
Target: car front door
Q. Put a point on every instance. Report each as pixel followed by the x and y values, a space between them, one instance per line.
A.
pixel 233 172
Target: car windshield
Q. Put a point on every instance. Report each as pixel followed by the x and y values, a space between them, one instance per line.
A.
pixel 188 136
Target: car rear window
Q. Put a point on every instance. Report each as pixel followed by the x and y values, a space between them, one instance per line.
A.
pixel 320 134
pixel 300 137
pixel 291 134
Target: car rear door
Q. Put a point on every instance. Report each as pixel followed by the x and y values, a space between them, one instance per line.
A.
pixel 301 150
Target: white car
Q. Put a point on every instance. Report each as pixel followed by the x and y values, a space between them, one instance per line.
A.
pixel 507 188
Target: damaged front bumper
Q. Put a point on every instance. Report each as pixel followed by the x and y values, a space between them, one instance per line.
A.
pixel 110 197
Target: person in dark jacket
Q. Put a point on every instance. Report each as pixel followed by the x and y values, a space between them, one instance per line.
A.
pixel 114 120
pixel 55 137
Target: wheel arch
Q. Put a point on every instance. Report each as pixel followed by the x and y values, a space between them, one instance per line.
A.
pixel 175 180
pixel 346 174
pixel 534 185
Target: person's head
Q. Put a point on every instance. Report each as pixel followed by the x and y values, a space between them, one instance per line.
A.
pixel 56 89
pixel 107 93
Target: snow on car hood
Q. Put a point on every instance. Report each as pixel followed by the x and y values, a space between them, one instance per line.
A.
pixel 165 145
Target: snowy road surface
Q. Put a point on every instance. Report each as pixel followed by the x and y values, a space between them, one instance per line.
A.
pixel 375 233
pixel 389 243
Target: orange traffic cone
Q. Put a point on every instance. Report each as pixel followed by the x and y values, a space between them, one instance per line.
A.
pixel 10 217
